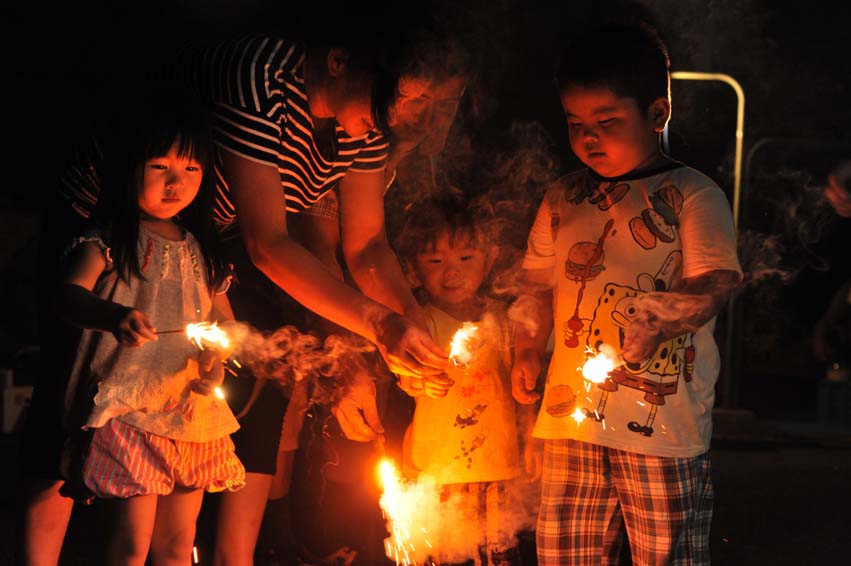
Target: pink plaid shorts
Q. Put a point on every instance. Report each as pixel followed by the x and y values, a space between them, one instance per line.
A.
pixel 125 461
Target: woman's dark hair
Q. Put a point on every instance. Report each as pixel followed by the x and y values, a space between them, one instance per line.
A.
pixel 426 49
pixel 629 58
pixel 389 40
pixel 143 131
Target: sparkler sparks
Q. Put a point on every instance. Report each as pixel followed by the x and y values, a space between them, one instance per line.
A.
pixel 460 351
pixel 597 368
pixel 402 504
pixel 207 333
pixel 210 334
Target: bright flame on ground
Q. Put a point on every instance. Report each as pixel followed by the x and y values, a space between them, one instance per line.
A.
pixel 207 333
pixel 460 351
pixel 408 543
pixel 597 368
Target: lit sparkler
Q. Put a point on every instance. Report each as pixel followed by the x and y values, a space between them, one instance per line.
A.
pixel 211 334
pixel 460 351
pixel 597 368
pixel 207 333
pixel 409 541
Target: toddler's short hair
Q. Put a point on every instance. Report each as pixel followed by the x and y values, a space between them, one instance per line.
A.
pixel 424 220
pixel 630 59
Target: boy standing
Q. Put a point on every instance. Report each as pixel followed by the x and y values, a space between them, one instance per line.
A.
pixel 637 254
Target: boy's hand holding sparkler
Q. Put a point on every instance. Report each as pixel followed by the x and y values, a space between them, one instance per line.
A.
pixel 641 339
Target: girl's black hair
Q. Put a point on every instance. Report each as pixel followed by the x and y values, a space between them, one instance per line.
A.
pixel 142 131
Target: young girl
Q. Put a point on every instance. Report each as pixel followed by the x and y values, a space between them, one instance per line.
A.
pixel 149 261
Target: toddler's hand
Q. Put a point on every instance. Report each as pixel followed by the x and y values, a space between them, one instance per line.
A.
pixel 211 372
pixel 641 340
pixel 533 459
pixel 437 386
pixel 411 385
pixel 524 377
pixel 134 329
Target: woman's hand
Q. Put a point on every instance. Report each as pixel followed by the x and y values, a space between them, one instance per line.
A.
pixel 409 350
pixel 211 372
pixel 524 376
pixel 134 329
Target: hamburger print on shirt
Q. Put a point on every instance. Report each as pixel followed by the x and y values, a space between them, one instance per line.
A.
pixel 608 242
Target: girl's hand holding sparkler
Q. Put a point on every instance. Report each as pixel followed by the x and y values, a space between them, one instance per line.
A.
pixel 134 329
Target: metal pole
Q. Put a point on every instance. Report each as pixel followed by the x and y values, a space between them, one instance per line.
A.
pixel 729 395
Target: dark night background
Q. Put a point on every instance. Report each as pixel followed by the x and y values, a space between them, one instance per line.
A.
pixel 793 61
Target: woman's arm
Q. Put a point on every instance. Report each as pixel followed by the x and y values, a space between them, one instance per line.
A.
pixel 369 258
pixel 261 207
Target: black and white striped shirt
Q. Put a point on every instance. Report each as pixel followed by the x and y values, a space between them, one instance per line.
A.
pixel 260 113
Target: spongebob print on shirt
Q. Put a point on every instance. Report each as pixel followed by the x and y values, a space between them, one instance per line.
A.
pixel 607 244
pixel 615 308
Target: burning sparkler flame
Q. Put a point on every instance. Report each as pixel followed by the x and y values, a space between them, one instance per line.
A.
pixel 207 333
pixel 400 507
pixel 460 351
pixel 597 368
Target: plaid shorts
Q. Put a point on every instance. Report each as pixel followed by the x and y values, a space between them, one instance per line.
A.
pixel 590 492
pixel 125 461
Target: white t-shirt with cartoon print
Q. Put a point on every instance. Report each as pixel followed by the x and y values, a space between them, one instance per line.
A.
pixel 607 242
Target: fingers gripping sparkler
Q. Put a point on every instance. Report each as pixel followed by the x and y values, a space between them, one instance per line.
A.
pixel 206 335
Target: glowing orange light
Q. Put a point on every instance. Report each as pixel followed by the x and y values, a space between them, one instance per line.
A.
pixel 207 333
pixel 210 334
pixel 578 415
pixel 460 350
pixel 597 368
pixel 400 503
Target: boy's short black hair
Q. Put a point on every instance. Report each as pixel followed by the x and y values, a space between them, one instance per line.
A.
pixel 630 59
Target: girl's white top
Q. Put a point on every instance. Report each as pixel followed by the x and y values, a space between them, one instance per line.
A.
pixel 148 387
